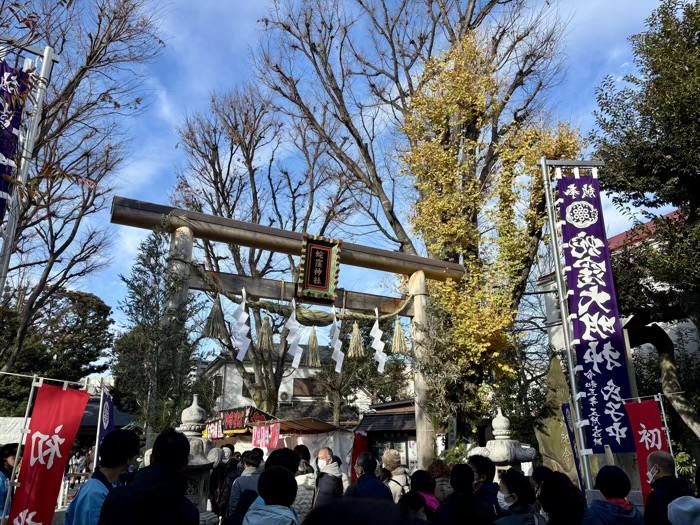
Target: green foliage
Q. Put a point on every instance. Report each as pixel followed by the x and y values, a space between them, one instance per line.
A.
pixel 649 136
pixel 649 130
pixel 152 362
pixel 457 455
pixel 70 341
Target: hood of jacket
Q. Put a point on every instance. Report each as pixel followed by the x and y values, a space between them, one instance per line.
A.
pixel 270 515
pixel 154 486
pixel 604 512
pixel 332 469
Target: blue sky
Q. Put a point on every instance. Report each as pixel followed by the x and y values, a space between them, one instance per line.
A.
pixel 208 49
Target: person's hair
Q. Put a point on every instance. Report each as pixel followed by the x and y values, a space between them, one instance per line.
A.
pixel 367 462
pixel 517 484
pixel 303 452
pixel 251 458
pixel 612 482
pixel 539 474
pixel 563 501
pixel 482 466
pixel 391 459
pixel 9 450
pixel 171 449
pixel 462 479
pixel 259 452
pixel 411 502
pixel 422 481
pixel 283 457
pixel 230 447
pixel 439 469
pixel 664 460
pixel 118 447
pixel 277 486
pixel 330 451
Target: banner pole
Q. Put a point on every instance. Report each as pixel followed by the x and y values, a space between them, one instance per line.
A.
pixel 99 424
pixel 660 400
pixel 564 309
pixel 18 455
pixel 27 154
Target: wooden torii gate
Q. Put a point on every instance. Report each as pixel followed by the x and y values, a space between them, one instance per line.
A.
pixel 185 225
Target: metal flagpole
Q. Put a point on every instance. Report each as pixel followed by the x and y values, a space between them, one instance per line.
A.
pixel 99 424
pixel 27 152
pixel 660 400
pixel 18 456
pixel 561 294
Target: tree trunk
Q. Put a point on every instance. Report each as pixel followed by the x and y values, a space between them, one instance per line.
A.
pixel 655 335
pixel 336 402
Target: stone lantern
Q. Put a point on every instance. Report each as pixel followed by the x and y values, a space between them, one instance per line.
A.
pixel 504 451
pixel 203 458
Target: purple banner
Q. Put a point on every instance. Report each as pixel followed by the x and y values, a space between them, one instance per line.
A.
pixel 600 347
pixel 569 420
pixel 13 90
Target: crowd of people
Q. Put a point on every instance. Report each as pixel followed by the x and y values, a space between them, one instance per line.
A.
pixel 291 488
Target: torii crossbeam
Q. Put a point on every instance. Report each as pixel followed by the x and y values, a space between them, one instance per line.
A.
pixel 185 225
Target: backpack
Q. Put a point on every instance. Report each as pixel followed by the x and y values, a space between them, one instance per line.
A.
pixel 404 487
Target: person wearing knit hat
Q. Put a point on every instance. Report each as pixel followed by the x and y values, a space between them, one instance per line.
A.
pixel 684 511
pixel 400 482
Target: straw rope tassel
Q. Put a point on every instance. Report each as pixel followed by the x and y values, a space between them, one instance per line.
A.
pixel 215 327
pixel 265 343
pixel 314 357
pixel 398 343
pixel 357 348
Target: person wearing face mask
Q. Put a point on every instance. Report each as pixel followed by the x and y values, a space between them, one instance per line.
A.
pixel 661 474
pixel 329 479
pixel 516 498
pixel 484 487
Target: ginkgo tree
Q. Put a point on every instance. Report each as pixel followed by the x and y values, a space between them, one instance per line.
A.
pixel 492 223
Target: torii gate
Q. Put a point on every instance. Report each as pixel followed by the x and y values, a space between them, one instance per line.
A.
pixel 185 225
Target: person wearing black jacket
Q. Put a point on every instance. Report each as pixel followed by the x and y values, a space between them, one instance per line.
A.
pixel 462 506
pixel 368 486
pixel 157 494
pixel 217 480
pixel 665 486
pixel 329 480
pixel 484 487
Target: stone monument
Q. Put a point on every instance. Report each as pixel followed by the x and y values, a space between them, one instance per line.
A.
pixel 504 451
pixel 203 458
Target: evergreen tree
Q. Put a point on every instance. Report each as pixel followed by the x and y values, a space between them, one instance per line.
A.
pixel 69 341
pixel 153 361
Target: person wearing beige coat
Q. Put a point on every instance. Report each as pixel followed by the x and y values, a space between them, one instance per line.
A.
pixel 400 482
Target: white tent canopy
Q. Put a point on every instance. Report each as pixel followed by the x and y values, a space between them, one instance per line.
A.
pixel 11 430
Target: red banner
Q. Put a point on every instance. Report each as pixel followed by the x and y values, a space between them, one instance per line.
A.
pixel 649 436
pixel 55 421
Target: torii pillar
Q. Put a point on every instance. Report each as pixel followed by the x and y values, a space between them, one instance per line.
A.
pixel 425 436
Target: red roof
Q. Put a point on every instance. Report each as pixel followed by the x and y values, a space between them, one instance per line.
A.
pixel 638 234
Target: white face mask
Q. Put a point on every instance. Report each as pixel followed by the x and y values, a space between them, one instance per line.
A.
pixel 322 463
pixel 650 475
pixel 502 500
